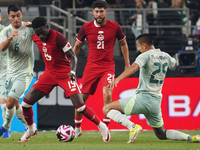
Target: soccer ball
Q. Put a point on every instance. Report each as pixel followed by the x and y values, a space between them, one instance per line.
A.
pixel 65 133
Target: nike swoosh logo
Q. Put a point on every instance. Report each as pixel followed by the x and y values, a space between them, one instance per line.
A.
pixel 108 137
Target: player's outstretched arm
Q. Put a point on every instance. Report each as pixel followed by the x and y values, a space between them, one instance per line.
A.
pixel 125 52
pixel 129 71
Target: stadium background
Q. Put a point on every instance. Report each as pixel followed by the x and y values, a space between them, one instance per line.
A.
pixel 181 97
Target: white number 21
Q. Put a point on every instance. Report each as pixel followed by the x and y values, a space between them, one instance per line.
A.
pixel 110 78
pixel 100 45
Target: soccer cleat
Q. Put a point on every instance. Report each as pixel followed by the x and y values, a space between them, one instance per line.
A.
pixel 2 130
pixel 27 135
pixel 105 134
pixel 78 132
pixel 134 133
pixel 195 139
pixel 6 135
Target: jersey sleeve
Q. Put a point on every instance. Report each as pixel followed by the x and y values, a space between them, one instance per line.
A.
pixel 1 27
pixel 141 59
pixel 172 62
pixel 120 34
pixel 81 35
pixel 3 36
pixel 61 41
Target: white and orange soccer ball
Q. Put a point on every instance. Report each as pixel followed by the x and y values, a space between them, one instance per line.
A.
pixel 65 133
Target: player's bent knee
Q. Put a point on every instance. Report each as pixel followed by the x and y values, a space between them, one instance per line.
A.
pixel 80 109
pixel 160 133
pixel 106 110
pixel 25 105
pixel 161 136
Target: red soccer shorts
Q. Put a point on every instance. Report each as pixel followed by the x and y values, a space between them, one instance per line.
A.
pixel 93 75
pixel 47 82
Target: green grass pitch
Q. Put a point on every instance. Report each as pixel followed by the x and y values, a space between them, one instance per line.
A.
pixel 91 140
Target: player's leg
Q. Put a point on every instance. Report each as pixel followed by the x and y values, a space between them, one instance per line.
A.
pixel 114 111
pixel 4 92
pixel 127 106
pixel 42 87
pixel 89 84
pixel 10 111
pixel 90 114
pixel 6 134
pixel 19 114
pixel 107 77
pixel 160 133
pixel 21 84
pixel 32 96
pixel 107 96
pixel 79 117
pixel 163 134
pixel 3 97
pixel 154 119
pixel 16 88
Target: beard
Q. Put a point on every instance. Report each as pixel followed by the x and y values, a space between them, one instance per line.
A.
pixel 16 24
pixel 99 22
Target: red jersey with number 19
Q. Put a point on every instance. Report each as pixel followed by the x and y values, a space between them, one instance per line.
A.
pixel 101 40
pixel 56 62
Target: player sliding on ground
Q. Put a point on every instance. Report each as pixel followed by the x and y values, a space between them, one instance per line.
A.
pixel 153 64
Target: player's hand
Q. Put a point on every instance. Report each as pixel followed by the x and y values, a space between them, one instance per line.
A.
pixel 113 84
pixel 72 75
pixel 27 24
pixel 13 34
pixel 0 18
pixel 127 66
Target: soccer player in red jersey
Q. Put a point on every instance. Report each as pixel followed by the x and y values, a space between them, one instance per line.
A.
pixel 60 67
pixel 100 67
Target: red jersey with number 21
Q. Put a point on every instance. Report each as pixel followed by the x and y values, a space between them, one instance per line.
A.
pixel 56 62
pixel 101 40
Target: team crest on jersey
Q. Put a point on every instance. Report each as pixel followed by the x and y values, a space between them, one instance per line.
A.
pixel 100 36
pixel 44 48
pixel 24 35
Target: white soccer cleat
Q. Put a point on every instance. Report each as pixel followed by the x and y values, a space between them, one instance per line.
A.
pixel 78 132
pixel 27 135
pixel 105 134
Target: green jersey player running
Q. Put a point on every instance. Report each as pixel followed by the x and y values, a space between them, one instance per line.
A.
pixel 153 64
pixel 17 40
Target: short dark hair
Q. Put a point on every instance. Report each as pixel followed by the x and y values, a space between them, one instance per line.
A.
pixel 99 4
pixel 39 22
pixel 14 7
pixel 145 38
